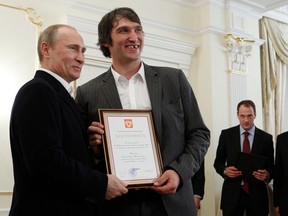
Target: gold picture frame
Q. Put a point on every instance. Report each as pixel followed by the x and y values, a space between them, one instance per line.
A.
pixel 131 147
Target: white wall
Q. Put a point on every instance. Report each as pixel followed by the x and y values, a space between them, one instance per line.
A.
pixel 188 37
pixel 18 63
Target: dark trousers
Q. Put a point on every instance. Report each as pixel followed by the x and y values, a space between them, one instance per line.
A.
pixel 243 206
pixel 142 202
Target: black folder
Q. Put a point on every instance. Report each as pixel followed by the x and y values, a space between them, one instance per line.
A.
pixel 248 163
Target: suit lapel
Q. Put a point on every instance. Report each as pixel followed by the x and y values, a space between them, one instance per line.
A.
pixel 256 142
pixel 63 94
pixel 71 103
pixel 109 90
pixel 155 93
pixel 235 141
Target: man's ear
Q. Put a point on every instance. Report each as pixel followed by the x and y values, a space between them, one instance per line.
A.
pixel 45 49
pixel 106 44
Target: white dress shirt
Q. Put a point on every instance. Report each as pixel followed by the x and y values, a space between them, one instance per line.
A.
pixel 133 92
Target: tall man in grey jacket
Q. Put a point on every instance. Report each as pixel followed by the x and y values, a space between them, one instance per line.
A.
pixel 132 84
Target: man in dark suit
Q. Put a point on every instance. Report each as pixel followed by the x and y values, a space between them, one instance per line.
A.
pixel 54 172
pixel 132 84
pixel 280 186
pixel 236 198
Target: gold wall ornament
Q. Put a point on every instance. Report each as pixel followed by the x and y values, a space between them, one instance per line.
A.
pixel 239 50
pixel 33 18
pixel 4 193
pixel 30 14
pixel 37 21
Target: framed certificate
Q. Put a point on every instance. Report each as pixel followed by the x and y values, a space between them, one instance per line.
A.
pixel 131 148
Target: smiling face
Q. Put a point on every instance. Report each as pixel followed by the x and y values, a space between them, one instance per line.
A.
pixel 66 56
pixel 127 41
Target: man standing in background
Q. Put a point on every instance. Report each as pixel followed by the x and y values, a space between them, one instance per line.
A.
pixel 240 196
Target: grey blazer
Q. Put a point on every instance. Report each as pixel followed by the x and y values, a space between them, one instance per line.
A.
pixel 181 132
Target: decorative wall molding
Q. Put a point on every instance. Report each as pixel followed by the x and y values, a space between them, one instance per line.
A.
pixel 4 193
pixel 19 73
pixel 31 14
pixel 158 49
pixel 237 92
pixel 194 3
pixel 237 22
pixel 281 14
pixel 239 50
pixel 4 212
pixel 145 22
pixel 283 10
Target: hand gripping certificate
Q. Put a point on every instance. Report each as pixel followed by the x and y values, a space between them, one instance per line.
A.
pixel 131 148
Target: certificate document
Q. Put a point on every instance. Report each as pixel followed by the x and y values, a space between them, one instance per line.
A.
pixel 131 149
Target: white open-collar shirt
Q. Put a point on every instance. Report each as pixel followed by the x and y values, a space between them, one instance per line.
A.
pixel 133 92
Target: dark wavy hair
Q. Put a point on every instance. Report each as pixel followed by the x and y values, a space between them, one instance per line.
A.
pixel 108 21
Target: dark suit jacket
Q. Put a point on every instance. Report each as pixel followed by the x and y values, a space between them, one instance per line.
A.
pixel 182 135
pixel 280 186
pixel 53 169
pixel 198 181
pixel 227 155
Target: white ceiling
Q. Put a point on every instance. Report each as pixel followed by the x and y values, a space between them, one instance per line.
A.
pixel 263 5
pixel 277 9
pixel 257 5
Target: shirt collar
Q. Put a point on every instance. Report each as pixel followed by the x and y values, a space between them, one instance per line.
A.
pixel 65 84
pixel 251 131
pixel 116 75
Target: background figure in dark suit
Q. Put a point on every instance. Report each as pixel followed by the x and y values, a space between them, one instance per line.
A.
pixel 198 183
pixel 132 84
pixel 234 200
pixel 280 186
pixel 53 170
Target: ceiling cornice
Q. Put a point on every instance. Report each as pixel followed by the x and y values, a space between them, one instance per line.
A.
pixel 276 9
